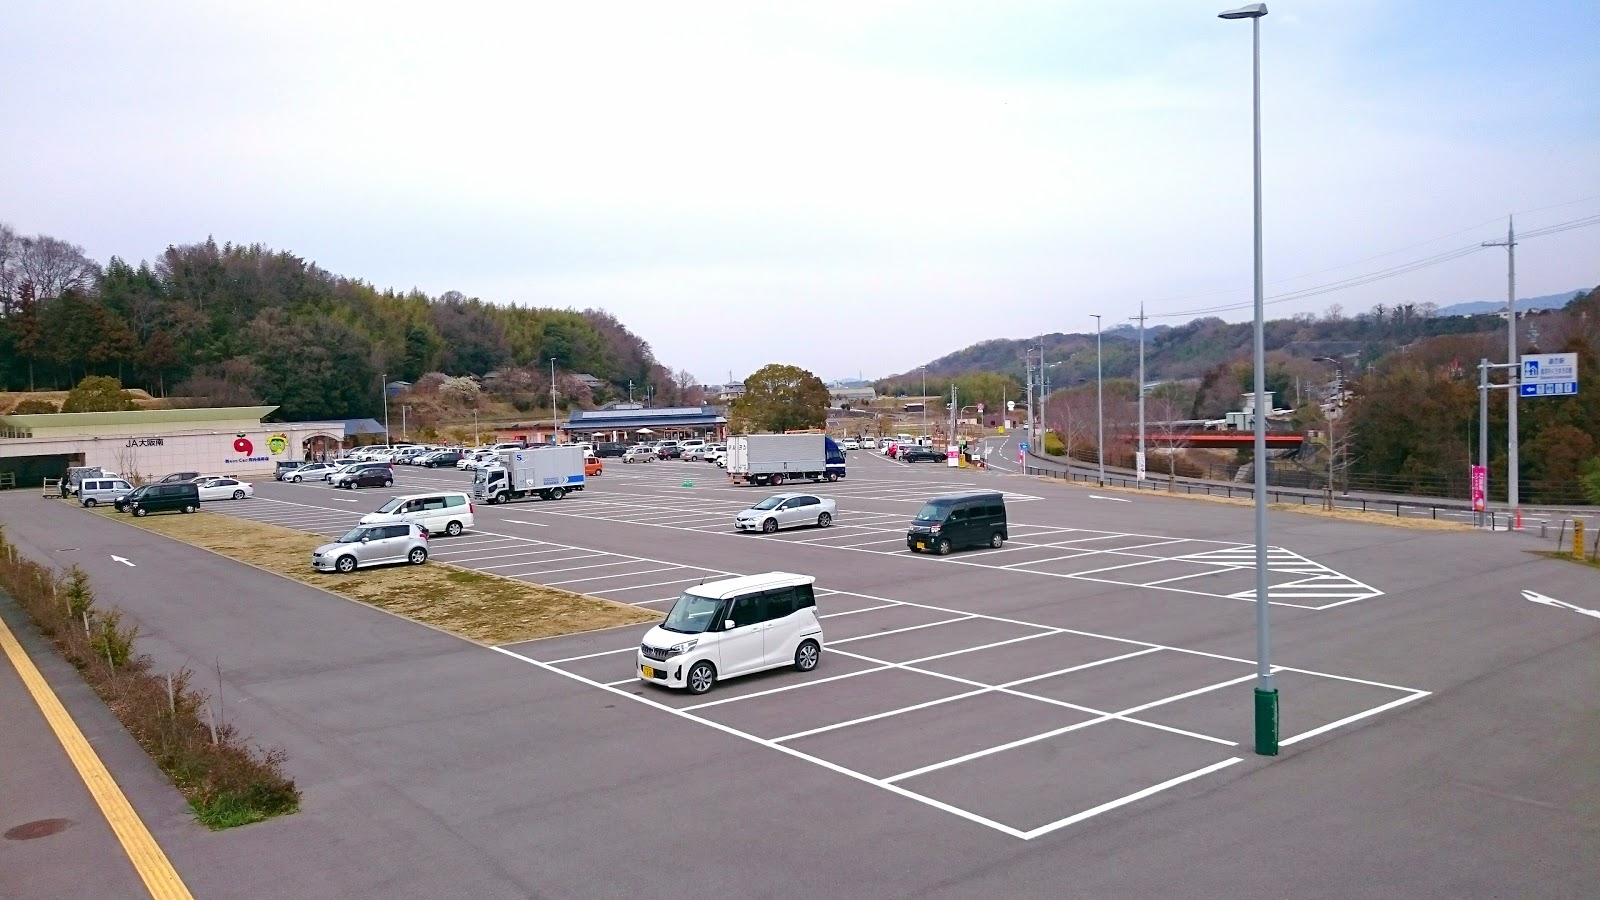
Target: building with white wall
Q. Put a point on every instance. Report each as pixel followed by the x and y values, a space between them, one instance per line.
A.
pixel 149 443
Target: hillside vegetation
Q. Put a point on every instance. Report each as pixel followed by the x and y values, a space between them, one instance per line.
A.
pixel 238 325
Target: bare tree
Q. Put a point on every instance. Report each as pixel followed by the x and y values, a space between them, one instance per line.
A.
pixel 10 244
pixel 1071 416
pixel 1166 440
pixel 690 392
pixel 53 266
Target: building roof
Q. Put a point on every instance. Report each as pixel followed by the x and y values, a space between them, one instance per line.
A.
pixel 138 417
pixel 353 427
pixel 667 414
pixel 642 420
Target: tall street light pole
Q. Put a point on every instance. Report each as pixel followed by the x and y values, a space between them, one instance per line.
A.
pixel 1099 405
pixel 924 400
pixel 555 430
pixel 1266 692
pixel 1139 460
pixel 383 387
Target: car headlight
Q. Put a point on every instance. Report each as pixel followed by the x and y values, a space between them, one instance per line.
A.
pixel 681 648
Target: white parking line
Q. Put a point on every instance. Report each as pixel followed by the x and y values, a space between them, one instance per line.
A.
pixel 603 577
pixel 862 637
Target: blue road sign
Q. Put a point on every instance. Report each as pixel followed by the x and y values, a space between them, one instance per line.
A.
pixel 1549 375
pixel 1024 446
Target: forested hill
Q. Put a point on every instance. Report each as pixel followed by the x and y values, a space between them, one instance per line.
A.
pixel 1189 351
pixel 242 324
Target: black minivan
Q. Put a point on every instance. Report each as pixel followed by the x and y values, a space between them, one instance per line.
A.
pixel 183 497
pixel 974 519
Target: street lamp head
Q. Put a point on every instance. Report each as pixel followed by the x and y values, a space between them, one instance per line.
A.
pixel 1248 11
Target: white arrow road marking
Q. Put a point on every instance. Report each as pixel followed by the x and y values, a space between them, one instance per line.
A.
pixel 121 560
pixel 1118 499
pixel 520 522
pixel 1537 597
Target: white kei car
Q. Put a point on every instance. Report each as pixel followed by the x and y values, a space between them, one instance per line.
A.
pixel 734 627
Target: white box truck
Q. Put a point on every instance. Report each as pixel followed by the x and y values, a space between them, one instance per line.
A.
pixel 777 458
pixel 548 472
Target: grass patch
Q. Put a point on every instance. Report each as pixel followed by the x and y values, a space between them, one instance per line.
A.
pixel 1592 562
pixel 226 781
pixel 474 605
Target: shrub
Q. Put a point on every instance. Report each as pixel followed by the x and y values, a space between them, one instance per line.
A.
pixel 226 781
pixel 33 407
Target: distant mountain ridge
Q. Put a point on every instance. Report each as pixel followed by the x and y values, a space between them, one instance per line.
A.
pixel 1479 307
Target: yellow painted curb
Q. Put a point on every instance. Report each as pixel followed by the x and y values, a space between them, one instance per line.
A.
pixel 151 863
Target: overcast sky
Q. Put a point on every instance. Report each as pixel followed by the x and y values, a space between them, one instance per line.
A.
pixel 852 187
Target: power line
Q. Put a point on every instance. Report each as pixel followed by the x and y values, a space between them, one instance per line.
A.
pixel 1379 275
pixel 1358 262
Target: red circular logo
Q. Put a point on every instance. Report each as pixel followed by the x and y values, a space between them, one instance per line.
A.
pixel 243 445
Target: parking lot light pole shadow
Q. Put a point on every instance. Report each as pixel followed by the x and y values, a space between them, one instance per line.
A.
pixel 1266 705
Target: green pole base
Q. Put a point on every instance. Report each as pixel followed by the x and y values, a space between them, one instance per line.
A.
pixel 1266 722
pixel 688 484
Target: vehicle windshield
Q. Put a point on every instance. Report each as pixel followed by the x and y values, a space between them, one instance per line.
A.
pixel 354 535
pixel 933 512
pixel 391 506
pixel 769 503
pixel 692 614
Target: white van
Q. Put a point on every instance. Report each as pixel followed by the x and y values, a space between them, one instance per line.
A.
pixel 444 512
pixel 734 627
pixel 94 491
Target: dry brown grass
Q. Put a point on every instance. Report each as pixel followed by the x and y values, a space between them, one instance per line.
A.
pixel 1313 508
pixel 477 606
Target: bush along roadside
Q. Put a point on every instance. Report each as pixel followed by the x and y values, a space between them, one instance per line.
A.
pixel 226 780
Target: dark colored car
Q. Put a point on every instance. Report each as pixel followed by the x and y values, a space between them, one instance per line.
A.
pixel 610 449
pixel 368 476
pixel 121 503
pixel 183 496
pixel 921 454
pixel 975 519
pixel 670 451
pixel 446 458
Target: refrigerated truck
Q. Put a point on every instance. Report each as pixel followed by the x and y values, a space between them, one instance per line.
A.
pixel 548 472
pixel 777 458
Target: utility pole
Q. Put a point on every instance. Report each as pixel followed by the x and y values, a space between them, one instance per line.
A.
pixel 1139 459
pixel 383 386
pixel 925 431
pixel 1027 368
pixel 555 430
pixel 630 391
pixel 1514 372
pixel 1044 391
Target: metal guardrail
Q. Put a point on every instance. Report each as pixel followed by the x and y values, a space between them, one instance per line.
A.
pixel 1493 520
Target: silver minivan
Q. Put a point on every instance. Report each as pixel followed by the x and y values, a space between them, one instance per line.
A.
pixel 446 512
pixel 95 491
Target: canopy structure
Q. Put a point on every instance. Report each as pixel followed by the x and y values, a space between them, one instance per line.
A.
pixel 643 431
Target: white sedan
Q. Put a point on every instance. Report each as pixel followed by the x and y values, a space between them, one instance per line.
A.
pixel 226 489
pixel 785 511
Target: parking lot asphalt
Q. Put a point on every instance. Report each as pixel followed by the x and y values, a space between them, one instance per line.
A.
pixel 1072 710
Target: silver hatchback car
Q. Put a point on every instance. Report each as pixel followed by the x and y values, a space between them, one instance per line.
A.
pixel 373 545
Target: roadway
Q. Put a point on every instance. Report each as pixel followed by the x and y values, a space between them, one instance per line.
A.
pixel 1067 714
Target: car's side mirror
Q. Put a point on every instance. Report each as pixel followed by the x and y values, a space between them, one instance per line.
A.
pixel 364 539
pixel 729 625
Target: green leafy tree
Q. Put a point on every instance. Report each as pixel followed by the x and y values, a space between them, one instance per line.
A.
pixel 98 393
pixel 32 407
pixel 782 398
pixel 1591 480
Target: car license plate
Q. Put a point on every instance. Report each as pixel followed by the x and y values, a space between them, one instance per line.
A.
pixel 921 546
pixel 647 671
